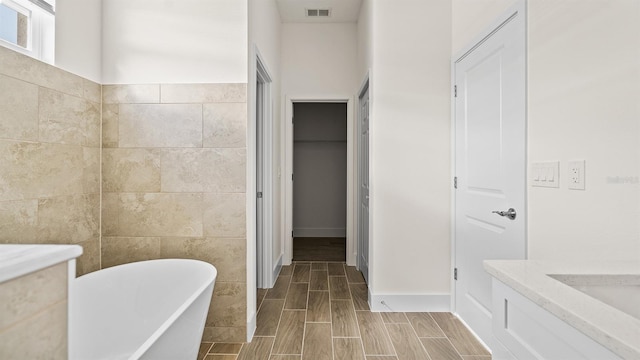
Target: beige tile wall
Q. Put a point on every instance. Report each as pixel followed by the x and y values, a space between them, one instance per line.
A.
pixel 33 321
pixel 173 177
pixel 173 167
pixel 49 157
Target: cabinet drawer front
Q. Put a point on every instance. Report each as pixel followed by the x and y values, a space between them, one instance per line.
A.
pixel 531 332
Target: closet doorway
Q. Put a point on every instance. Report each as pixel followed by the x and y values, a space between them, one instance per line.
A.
pixel 319 181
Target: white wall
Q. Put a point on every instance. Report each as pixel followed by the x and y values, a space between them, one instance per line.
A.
pixel 265 34
pixel 365 33
pixel 583 86
pixel 319 59
pixel 471 17
pixel 410 148
pixel 78 47
pixel 174 41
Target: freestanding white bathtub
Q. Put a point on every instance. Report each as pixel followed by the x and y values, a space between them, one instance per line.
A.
pixel 145 310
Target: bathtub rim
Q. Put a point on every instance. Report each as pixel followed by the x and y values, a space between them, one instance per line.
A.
pixel 208 281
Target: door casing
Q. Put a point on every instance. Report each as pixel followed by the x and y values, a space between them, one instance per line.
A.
pixel 288 146
pixel 264 115
pixel 364 89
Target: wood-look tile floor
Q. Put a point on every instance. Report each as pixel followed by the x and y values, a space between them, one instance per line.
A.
pixel 319 311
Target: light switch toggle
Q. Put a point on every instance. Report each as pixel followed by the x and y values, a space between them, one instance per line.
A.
pixel 545 174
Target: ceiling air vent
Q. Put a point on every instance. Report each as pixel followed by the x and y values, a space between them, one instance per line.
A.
pixel 318 12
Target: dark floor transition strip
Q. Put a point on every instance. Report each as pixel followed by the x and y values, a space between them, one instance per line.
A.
pixel 319 249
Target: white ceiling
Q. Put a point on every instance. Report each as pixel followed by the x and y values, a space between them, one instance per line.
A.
pixel 294 11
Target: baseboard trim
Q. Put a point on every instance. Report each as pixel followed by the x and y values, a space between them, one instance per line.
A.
pixel 410 302
pixel 251 327
pixel 276 271
pixel 320 232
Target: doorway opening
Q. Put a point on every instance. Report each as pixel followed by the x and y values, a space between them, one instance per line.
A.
pixel 319 181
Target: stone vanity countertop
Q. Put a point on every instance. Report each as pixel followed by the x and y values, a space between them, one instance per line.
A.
pixel 19 260
pixel 612 328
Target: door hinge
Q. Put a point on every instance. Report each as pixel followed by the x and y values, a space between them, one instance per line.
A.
pixel 455 90
pixel 291 176
pixel 259 194
pixel 292 233
pixel 455 182
pixel 455 274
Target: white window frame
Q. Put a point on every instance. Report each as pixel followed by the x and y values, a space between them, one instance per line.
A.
pixel 40 33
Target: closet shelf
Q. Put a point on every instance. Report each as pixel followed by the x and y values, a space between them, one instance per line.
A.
pixel 319 141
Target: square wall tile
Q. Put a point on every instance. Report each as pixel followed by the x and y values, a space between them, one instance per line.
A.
pixel 161 125
pixel 131 94
pixel 67 119
pixel 68 219
pixel 225 215
pixel 228 305
pixel 91 170
pixel 110 206
pixel 204 170
pixel 89 261
pixel 19 104
pixel 228 255
pixel 110 118
pixel 36 72
pixel 123 250
pixel 92 91
pixel 225 125
pixel 131 170
pixel 154 214
pixel 203 93
pixel 37 170
pixel 18 221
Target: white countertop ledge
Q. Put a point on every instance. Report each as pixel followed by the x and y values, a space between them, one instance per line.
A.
pixel 612 328
pixel 20 260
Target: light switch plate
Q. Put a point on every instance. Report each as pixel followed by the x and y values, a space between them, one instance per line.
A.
pixel 545 174
pixel 576 174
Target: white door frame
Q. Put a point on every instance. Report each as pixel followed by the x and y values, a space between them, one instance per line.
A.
pixel 262 73
pixel 288 230
pixel 364 86
pixel 519 7
pixel 266 278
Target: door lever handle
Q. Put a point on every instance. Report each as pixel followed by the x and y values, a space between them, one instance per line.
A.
pixel 511 213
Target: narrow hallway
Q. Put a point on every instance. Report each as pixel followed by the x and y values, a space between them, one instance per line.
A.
pixel 319 310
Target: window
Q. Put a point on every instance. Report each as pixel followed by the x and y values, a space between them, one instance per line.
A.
pixel 28 26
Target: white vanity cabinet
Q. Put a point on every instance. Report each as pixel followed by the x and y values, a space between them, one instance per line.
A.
pixel 565 310
pixel 531 332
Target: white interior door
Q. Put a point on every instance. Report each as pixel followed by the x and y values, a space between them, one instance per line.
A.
pixel 265 270
pixel 490 157
pixel 363 165
pixel 261 250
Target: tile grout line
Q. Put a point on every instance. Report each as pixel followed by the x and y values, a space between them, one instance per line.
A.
pixel 445 334
pixel 353 303
pixel 384 326
pixel 333 350
pixel 280 317
pixel 416 333
pixel 304 328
